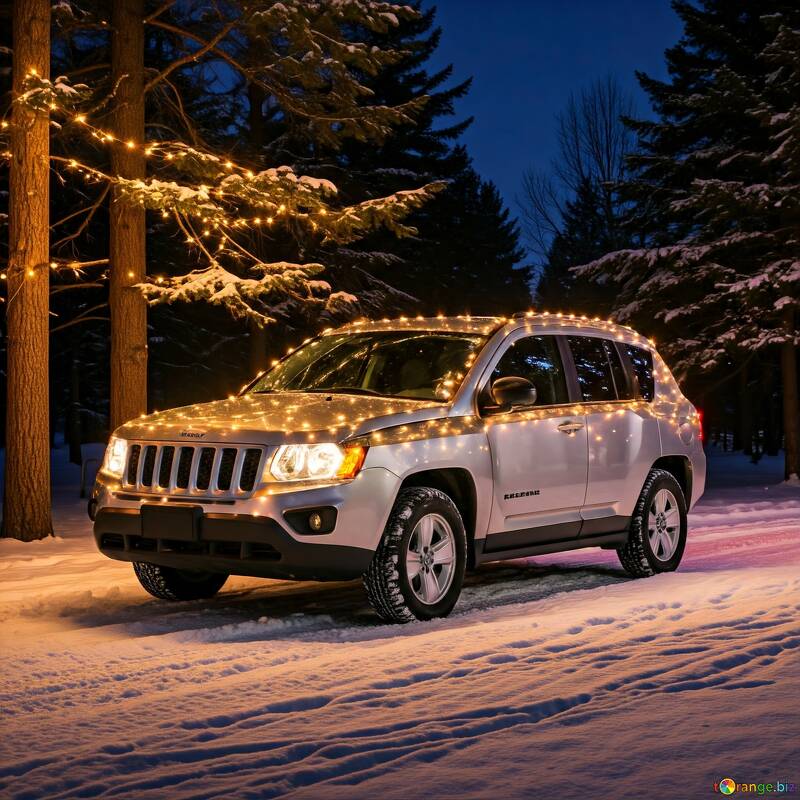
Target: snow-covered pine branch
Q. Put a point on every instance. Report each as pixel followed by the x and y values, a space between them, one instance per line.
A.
pixel 43 94
pixel 272 291
pixel 315 64
pixel 220 216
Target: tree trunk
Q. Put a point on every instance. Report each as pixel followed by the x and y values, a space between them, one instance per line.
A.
pixel 26 511
pixel 791 403
pixel 127 237
pixel 255 118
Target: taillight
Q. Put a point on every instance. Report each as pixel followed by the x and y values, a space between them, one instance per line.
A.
pixel 700 433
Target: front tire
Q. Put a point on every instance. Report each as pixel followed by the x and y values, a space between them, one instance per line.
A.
pixel 418 568
pixel 658 528
pixel 167 583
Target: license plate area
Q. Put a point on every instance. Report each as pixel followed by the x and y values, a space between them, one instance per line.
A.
pixel 178 523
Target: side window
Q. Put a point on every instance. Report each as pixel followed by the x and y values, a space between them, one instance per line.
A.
pixel 537 359
pixel 621 383
pixel 601 375
pixel 642 363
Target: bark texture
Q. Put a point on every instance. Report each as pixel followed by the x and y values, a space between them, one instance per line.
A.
pixel 26 507
pixel 791 402
pixel 127 236
pixel 258 333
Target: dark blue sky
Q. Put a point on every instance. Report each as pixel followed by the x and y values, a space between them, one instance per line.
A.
pixel 526 56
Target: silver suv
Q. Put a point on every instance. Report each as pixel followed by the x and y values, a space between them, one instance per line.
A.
pixel 407 451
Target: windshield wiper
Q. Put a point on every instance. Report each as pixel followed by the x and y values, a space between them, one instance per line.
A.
pixel 342 390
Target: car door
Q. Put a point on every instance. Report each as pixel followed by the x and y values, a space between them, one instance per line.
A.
pixel 539 450
pixel 622 433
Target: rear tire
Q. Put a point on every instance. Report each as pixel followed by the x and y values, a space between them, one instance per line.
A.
pixel 167 583
pixel 657 535
pixel 418 568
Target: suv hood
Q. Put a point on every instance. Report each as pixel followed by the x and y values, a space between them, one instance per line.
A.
pixel 281 417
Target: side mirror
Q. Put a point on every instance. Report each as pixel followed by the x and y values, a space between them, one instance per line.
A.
pixel 513 391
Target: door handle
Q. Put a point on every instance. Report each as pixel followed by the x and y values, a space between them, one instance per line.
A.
pixel 570 427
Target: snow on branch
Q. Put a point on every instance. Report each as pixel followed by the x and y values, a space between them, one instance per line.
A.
pixel 42 94
pixel 223 216
pixel 273 291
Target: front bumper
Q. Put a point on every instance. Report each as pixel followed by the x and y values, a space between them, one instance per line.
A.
pixel 236 544
pixel 256 535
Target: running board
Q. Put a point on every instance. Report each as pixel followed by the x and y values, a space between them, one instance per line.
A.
pixel 608 541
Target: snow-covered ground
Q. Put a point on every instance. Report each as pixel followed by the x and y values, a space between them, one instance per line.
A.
pixel 556 677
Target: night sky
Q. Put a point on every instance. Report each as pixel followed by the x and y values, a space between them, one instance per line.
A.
pixel 526 56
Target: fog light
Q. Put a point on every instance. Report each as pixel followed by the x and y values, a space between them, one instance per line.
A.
pixel 315 521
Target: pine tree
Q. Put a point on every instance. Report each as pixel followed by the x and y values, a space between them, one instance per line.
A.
pixel 715 193
pixel 469 255
pixel 583 237
pixel 465 256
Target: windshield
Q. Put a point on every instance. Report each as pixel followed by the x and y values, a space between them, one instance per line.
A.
pixel 413 364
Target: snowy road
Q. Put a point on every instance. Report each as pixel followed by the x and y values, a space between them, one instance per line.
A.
pixel 556 678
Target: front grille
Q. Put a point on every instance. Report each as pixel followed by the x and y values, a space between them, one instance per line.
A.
pixel 179 470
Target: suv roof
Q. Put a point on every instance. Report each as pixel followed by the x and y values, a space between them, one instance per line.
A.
pixel 489 325
pixel 462 324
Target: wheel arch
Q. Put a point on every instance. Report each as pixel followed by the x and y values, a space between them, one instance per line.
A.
pixel 680 467
pixel 459 485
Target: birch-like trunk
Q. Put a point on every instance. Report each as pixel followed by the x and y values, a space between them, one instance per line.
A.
pixel 26 507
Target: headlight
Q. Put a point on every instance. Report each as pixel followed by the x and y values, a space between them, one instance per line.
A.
pixel 114 462
pixel 304 462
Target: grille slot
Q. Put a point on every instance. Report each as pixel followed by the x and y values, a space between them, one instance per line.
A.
pixel 204 467
pixel 252 457
pixel 148 464
pixel 184 467
pixel 180 470
pixel 226 469
pixel 167 457
pixel 133 463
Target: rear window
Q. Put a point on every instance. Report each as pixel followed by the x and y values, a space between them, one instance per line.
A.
pixel 601 375
pixel 642 363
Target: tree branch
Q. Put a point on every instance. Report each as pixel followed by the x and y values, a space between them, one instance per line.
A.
pixel 208 46
pixel 181 32
pixel 77 321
